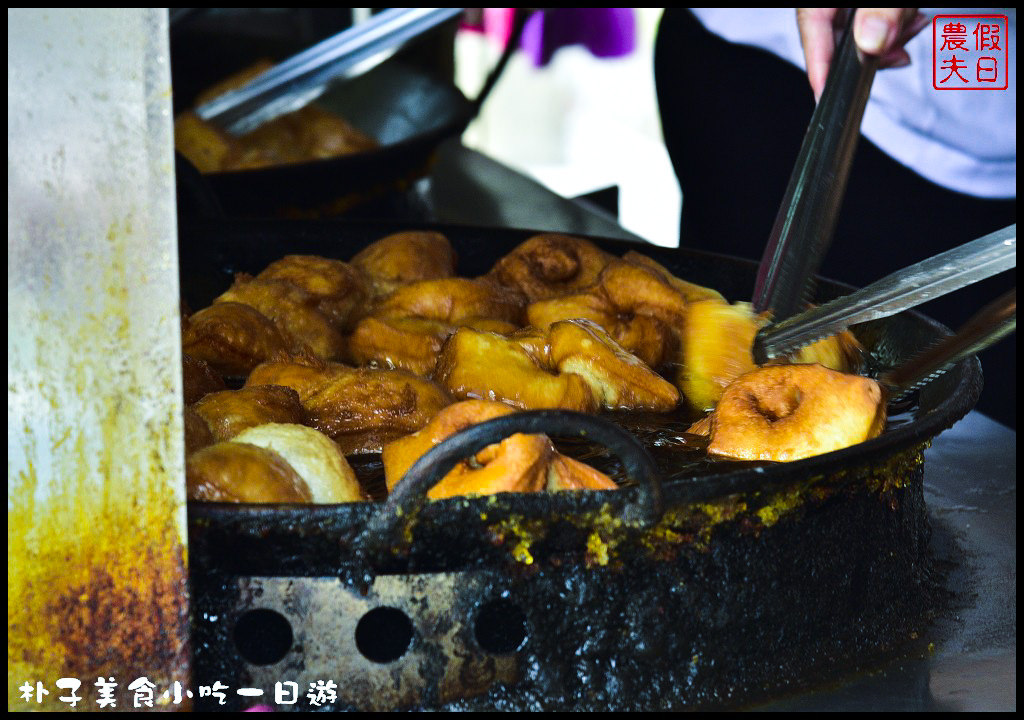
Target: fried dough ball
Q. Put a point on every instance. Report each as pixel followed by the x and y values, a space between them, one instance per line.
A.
pixel 339 289
pixel 484 365
pixel 520 463
pixel 404 258
pixel 690 291
pixel 646 337
pixel 638 303
pixel 317 460
pixel 453 300
pixel 233 338
pixel 560 369
pixel 564 473
pixel 358 408
pixel 716 348
pixel 292 309
pixel 618 379
pixel 197 432
pixel 229 412
pixel 242 473
pixel 198 378
pixel 204 145
pixel 549 265
pixel 409 343
pixel 639 290
pixel 790 412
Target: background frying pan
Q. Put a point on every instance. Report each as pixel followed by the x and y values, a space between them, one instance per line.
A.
pixel 409 104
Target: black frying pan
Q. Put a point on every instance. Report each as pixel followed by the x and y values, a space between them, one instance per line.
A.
pixel 723 584
pixel 210 254
pixel 407 108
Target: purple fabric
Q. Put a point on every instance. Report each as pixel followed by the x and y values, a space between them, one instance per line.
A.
pixel 605 32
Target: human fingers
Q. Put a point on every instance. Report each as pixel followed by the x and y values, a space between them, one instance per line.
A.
pixel 878 31
pixel 819 44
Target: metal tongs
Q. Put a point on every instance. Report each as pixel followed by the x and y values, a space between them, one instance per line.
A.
pixel 803 232
pixel 902 290
pixel 302 78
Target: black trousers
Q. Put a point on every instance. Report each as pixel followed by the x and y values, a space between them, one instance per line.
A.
pixel 734 118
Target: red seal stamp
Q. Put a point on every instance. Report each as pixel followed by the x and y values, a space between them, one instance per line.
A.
pixel 970 52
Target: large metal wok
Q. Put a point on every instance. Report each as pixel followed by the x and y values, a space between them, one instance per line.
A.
pixel 719 585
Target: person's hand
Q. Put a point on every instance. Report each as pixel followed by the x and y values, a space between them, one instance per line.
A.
pixel 877 31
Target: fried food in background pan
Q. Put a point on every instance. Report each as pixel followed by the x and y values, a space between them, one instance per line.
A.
pixel 310 133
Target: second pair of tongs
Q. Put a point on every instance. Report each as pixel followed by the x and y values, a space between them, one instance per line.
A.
pixel 302 78
pixel 902 290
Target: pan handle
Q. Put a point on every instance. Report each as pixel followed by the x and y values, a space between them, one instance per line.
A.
pixel 386 533
pixel 519 18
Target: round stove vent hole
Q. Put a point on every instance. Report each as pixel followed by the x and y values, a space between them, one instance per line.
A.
pixel 500 627
pixel 263 637
pixel 384 634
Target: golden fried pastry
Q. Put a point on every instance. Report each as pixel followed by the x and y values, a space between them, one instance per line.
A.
pixel 198 378
pixel 404 258
pixel 229 412
pixel 484 365
pixel 564 473
pixel 233 338
pixel 550 265
pixel 640 290
pixel 646 337
pixel 716 348
pixel 520 463
pixel 411 344
pixel 842 352
pixel 197 432
pixel 204 145
pixel 340 290
pixel 316 459
pixel 517 464
pixel 292 309
pixel 790 412
pixel 241 473
pixel 619 380
pixel 358 408
pixel 690 291
pixel 453 300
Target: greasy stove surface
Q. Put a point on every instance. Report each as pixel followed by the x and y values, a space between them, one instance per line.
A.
pixel 970 486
